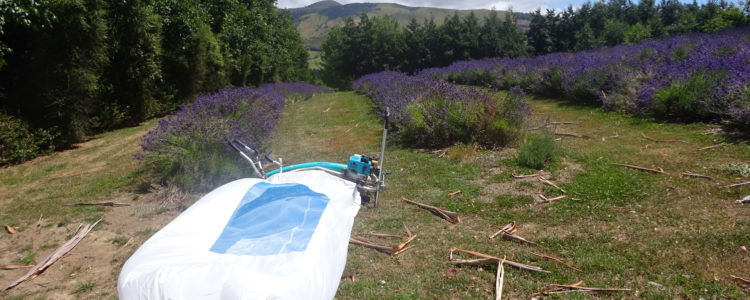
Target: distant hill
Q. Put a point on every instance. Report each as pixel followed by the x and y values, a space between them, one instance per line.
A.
pixel 314 21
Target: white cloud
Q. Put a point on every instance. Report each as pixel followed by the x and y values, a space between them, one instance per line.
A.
pixel 517 5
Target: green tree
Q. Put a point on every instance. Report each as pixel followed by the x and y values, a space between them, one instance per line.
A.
pixel 636 33
pixel 134 72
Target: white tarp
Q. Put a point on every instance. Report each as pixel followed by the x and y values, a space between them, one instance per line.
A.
pixel 281 238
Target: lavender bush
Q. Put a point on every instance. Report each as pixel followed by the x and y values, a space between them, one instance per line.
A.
pixel 697 77
pixel 429 112
pixel 189 147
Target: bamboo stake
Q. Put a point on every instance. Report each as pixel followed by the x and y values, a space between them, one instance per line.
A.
pixel 490 260
pixel 691 174
pixel 445 214
pixel 660 171
pixel 83 230
pixel 113 204
pixel 738 184
pixel 556 260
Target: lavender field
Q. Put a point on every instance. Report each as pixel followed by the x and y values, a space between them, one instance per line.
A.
pixel 434 113
pixel 190 145
pixel 697 77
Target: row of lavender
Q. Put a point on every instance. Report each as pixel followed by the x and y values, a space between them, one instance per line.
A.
pixel 428 112
pixel 190 147
pixel 698 77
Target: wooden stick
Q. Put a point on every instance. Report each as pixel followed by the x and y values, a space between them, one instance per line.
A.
pixel 711 147
pixel 558 291
pixel 742 282
pixel 642 168
pixel 662 141
pixel 383 235
pixel 691 174
pixel 583 288
pixel 83 230
pixel 445 214
pixel 738 184
pixel 13 267
pixel 9 229
pixel 406 228
pixel 556 260
pixel 550 183
pixel 490 260
pixel 113 204
pixel 454 193
pixel 516 176
pixel 568 134
pixel 368 244
pixel 507 233
pixel 499 280
pixel 392 250
pixel 549 200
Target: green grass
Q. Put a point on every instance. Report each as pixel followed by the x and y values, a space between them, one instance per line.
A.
pixel 85 286
pixel 624 228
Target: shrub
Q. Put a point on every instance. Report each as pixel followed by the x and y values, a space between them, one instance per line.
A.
pixel 684 100
pixel 18 142
pixel 428 112
pixel 538 152
pixel 190 147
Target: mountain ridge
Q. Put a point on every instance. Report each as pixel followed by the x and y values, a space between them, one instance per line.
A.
pixel 314 21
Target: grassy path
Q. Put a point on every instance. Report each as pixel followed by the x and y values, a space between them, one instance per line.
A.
pixel 664 236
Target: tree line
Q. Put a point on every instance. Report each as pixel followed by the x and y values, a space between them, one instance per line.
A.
pixel 75 67
pixel 374 44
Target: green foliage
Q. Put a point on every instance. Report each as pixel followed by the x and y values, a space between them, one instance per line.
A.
pixel 684 100
pixel 19 143
pixel 636 33
pixel 356 49
pixel 75 68
pixel 538 151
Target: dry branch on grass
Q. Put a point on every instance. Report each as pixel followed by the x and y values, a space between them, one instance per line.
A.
pixel 14 267
pixel 83 230
pixel 657 171
pixel 662 141
pixel 109 203
pixel 552 258
pixel 454 193
pixel 738 184
pixel 696 175
pixel 549 200
pixel 499 280
pixel 508 231
pixel 711 147
pixel 550 183
pixel 445 214
pixel 576 287
pixel 522 176
pixel 391 250
pixel 743 282
pixel 485 259
pixel 10 229
pixel 604 138
pixel 569 134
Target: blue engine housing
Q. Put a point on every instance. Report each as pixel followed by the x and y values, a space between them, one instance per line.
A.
pixel 360 164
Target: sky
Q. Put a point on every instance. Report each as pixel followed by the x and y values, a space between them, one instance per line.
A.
pixel 517 5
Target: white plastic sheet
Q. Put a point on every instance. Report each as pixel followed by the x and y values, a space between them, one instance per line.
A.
pixel 281 238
